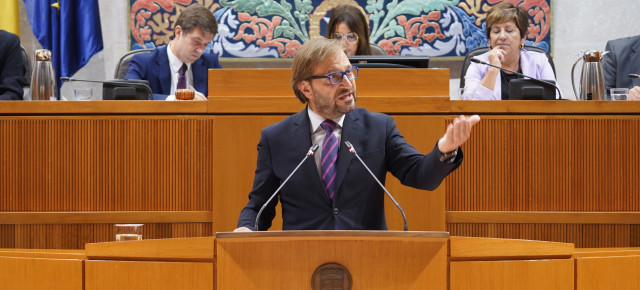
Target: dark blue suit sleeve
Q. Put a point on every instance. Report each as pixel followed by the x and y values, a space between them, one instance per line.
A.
pixel 136 70
pixel 410 166
pixel 265 184
pixel 139 70
pixel 11 67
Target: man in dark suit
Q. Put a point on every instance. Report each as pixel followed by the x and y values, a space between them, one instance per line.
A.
pixel 11 67
pixel 336 191
pixel 182 63
pixel 623 59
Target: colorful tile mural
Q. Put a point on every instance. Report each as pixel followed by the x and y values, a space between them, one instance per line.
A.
pixel 277 29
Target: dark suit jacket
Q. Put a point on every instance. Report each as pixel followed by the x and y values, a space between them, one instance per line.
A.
pixel 359 202
pixel 154 67
pixel 11 67
pixel 623 58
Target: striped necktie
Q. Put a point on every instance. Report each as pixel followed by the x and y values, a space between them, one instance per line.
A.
pixel 329 157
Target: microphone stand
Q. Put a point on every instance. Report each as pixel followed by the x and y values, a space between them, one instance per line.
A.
pixel 352 150
pixel 521 75
pixel 311 151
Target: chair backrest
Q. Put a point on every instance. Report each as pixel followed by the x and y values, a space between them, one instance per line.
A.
pixel 123 64
pixel 376 49
pixel 481 50
pixel 27 66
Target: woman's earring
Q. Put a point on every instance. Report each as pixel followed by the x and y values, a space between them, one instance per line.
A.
pixel 521 45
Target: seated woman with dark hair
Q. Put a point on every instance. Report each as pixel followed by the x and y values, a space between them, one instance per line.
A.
pixel 506 30
pixel 349 24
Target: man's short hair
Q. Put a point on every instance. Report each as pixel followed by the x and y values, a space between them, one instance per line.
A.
pixel 197 16
pixel 312 53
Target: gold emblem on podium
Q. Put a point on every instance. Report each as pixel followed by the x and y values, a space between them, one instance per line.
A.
pixel 331 276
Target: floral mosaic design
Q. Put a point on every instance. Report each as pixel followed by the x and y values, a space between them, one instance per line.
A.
pixel 277 29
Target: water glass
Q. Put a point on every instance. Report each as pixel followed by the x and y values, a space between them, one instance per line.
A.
pixel 128 232
pixel 82 94
pixel 619 94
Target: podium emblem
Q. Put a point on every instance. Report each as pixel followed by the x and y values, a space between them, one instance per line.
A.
pixel 331 276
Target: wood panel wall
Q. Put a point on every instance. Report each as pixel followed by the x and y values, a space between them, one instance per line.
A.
pixel 520 172
pixel 92 164
pixel 555 171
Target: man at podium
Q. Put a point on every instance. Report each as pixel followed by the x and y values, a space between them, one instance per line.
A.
pixel 336 191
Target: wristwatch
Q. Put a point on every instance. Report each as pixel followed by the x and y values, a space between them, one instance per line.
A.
pixel 449 157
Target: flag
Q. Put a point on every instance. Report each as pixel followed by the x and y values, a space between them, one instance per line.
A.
pixel 69 28
pixel 9 17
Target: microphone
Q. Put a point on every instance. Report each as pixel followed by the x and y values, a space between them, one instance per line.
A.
pixel 311 151
pixel 352 150
pixel 473 59
pixel 634 76
pixel 120 89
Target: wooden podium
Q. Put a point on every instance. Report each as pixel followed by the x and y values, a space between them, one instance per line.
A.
pixel 373 259
pixel 271 260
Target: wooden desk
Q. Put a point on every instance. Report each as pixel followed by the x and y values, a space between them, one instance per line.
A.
pixel 41 269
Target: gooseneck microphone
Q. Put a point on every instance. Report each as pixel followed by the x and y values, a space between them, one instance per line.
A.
pixel 352 150
pixel 473 59
pixel 311 151
pixel 68 79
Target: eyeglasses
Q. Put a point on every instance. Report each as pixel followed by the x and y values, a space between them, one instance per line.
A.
pixel 336 77
pixel 350 37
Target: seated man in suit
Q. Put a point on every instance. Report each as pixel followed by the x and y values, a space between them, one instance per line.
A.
pixel 182 63
pixel 335 191
pixel 623 59
pixel 11 67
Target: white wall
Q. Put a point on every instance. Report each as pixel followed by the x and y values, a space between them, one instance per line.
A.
pixel 588 25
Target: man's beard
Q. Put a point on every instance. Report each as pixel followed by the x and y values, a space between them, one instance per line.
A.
pixel 326 106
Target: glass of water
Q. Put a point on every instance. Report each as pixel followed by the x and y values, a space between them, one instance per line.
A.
pixel 619 94
pixel 128 232
pixel 83 94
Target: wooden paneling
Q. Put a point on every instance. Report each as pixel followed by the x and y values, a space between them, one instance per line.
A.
pixel 582 235
pixel 55 166
pixel 75 236
pixel 40 273
pixel 519 168
pixel 507 275
pixel 468 248
pixel 109 275
pixel 187 249
pixel 545 108
pixel 82 217
pixel 277 82
pixel 105 164
pixel 549 164
pixel 373 262
pixel 600 273
pixel 101 107
pixel 289 104
pixel 543 217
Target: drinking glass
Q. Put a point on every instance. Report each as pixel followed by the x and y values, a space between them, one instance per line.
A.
pixel 83 94
pixel 128 232
pixel 619 94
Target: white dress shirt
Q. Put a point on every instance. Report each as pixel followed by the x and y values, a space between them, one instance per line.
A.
pixel 174 65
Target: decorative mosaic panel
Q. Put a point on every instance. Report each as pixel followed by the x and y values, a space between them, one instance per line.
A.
pixel 276 29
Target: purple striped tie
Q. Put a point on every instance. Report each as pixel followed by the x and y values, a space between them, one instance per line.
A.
pixel 182 80
pixel 329 157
